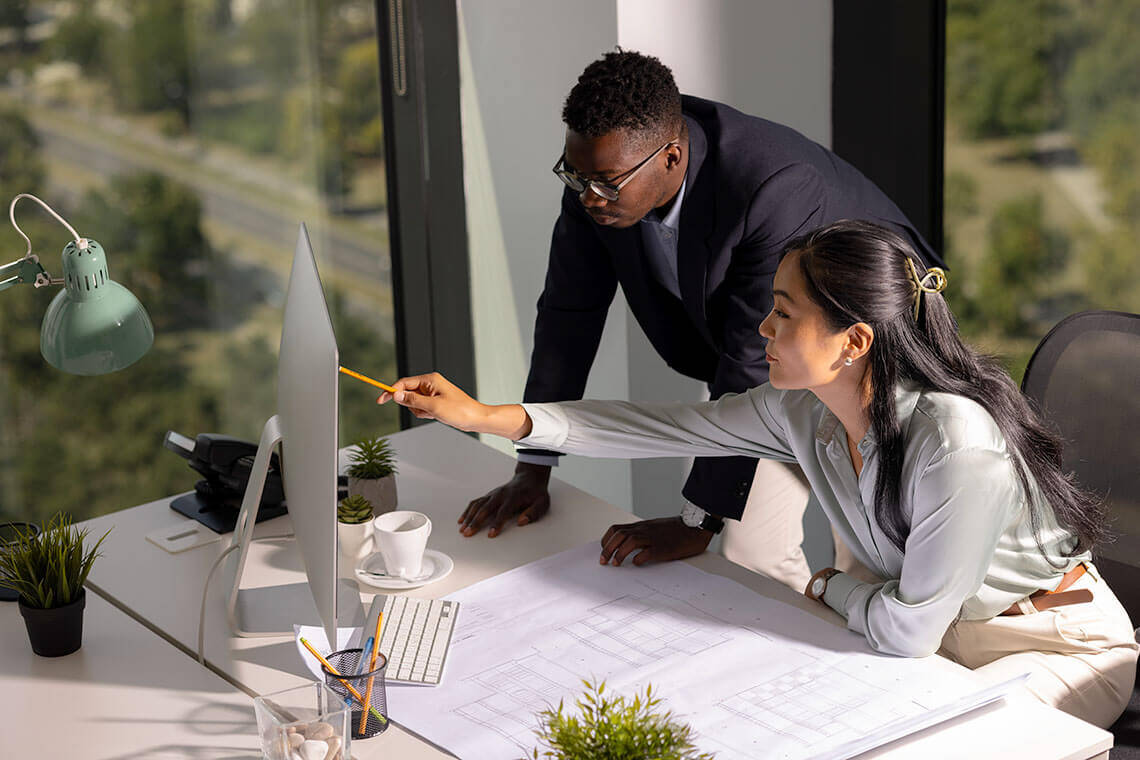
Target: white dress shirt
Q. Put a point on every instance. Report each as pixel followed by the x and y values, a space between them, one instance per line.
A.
pixel 659 238
pixel 970 551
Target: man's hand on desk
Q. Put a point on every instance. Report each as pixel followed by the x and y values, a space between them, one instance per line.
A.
pixel 525 495
pixel 660 540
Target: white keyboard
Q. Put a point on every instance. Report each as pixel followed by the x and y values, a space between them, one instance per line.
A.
pixel 415 636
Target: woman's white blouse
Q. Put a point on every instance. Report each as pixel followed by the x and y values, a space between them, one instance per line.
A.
pixel 970 551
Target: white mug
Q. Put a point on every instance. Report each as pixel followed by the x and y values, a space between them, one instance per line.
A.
pixel 402 537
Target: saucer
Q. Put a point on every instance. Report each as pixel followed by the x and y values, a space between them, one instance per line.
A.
pixel 436 566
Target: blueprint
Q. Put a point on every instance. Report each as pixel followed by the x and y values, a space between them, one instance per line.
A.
pixel 752 676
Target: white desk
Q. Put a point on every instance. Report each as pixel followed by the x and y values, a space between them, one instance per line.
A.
pixel 125 694
pixel 440 471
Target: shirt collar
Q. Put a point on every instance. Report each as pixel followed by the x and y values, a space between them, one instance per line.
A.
pixel 907 395
pixel 673 218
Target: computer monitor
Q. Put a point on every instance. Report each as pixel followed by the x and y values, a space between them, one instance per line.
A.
pixel 306 428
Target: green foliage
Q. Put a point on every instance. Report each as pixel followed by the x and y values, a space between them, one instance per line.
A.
pixel 81 37
pixel 372 459
pixel 48 570
pixel 354 510
pixel 960 195
pixel 1112 271
pixel 615 728
pixel 1002 64
pixel 359 108
pixel 21 170
pixel 16 15
pixel 275 36
pixel 152 58
pixel 1105 70
pixel 1114 149
pixel 151 228
pixel 1022 255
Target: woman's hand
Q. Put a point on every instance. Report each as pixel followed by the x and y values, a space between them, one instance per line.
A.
pixel 434 397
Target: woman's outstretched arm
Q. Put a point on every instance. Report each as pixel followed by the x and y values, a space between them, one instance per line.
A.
pixel 742 424
pixel 434 397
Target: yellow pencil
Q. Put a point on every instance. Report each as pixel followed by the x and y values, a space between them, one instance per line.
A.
pixel 371 667
pixel 347 685
pixel 368 380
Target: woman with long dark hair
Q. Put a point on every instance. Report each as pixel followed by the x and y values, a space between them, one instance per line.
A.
pixel 928 460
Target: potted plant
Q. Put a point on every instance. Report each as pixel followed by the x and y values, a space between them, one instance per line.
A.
pixel 354 526
pixel 372 474
pixel 615 728
pixel 48 571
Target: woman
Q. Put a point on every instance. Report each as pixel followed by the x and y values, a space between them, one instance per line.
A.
pixel 927 459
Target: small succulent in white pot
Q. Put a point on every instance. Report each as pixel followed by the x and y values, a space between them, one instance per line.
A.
pixel 372 474
pixel 354 526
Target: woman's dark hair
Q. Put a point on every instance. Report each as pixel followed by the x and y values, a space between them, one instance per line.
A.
pixel 857 272
pixel 625 90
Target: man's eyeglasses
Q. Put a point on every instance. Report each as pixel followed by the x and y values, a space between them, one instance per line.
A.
pixel 607 190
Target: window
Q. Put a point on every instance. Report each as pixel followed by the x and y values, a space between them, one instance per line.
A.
pixel 1042 165
pixel 189 138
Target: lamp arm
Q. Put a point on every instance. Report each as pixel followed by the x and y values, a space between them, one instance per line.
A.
pixel 27 270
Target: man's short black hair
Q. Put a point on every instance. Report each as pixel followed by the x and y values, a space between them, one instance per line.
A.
pixel 625 90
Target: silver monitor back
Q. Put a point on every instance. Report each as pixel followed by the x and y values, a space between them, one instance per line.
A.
pixel 306 426
pixel 307 404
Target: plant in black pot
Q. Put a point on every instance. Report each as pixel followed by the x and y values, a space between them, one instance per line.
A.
pixel 48 571
pixel 372 474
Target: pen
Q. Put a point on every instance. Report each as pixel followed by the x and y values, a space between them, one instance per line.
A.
pixel 363 652
pixel 347 685
pixel 370 381
pixel 371 667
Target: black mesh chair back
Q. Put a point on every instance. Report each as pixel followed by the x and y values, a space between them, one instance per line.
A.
pixel 1085 378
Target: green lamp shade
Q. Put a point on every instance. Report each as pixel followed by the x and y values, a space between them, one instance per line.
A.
pixel 95 325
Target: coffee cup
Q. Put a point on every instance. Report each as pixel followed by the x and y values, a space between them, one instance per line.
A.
pixel 402 537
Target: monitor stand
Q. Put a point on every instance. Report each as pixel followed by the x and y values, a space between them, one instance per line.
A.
pixel 274 610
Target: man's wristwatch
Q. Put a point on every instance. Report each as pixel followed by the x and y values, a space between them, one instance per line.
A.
pixel 818 583
pixel 695 517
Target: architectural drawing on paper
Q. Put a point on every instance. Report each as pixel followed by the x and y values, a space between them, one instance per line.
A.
pixel 641 631
pixel 816 703
pixel 516 691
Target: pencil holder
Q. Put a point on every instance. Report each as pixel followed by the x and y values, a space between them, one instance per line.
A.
pixel 368 684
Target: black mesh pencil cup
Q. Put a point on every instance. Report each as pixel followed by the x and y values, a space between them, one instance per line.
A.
pixel 369 687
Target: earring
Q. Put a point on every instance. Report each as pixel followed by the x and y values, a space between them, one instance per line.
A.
pixel 848 361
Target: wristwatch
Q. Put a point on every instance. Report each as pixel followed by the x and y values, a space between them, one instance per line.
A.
pixel 818 583
pixel 695 517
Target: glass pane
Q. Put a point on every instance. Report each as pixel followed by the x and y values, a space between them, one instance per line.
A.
pixel 1042 194
pixel 190 138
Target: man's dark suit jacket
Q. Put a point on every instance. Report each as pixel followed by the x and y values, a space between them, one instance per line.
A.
pixel 751 187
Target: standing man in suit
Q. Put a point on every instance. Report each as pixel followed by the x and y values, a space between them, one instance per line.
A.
pixel 687 204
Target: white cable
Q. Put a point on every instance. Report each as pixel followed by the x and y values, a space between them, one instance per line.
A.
pixel 12 216
pixel 206 591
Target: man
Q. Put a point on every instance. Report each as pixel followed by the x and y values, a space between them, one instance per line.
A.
pixel 687 204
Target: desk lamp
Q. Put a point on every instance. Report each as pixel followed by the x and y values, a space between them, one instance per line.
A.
pixel 95 325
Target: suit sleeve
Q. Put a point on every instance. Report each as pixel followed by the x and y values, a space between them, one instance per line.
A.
pixel 579 288
pixel 789 204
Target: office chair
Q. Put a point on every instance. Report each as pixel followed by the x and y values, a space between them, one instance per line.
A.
pixel 1085 378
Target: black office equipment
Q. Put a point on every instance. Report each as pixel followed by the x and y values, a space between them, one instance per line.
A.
pixel 225 464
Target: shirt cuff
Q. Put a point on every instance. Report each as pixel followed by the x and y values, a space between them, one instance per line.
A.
pixel 549 427
pixel 533 457
pixel 839 589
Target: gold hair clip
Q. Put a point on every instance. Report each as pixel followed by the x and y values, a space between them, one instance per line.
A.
pixel 933 281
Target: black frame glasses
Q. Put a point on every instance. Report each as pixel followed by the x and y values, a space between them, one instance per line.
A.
pixel 606 190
